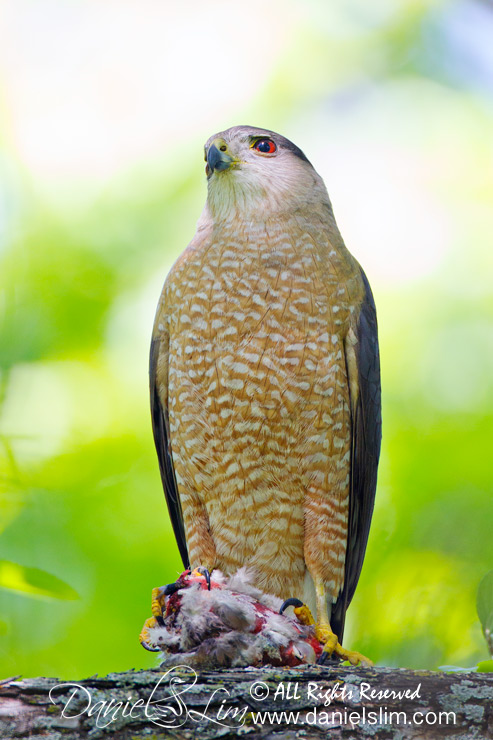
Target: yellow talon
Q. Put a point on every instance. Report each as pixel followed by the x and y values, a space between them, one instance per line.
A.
pixel 352 656
pixel 333 647
pixel 149 624
pixel 324 634
pixel 157 601
pixel 202 572
pixel 304 615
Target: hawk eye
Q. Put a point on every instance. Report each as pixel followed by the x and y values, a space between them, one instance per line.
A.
pixel 265 146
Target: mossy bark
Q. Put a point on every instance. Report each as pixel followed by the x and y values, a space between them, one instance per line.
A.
pixel 333 702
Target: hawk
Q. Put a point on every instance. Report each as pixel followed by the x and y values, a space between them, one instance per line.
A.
pixel 265 384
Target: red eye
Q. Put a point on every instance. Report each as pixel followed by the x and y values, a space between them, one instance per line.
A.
pixel 266 146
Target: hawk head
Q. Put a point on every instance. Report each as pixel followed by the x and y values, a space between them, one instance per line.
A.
pixel 253 172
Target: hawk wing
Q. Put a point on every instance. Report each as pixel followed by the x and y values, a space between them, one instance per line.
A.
pixel 160 428
pixel 366 434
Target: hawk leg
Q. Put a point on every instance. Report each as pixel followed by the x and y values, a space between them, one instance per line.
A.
pixel 158 608
pixel 324 633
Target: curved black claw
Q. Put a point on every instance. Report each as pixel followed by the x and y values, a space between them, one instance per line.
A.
pixel 148 647
pixel 325 656
pixel 171 588
pixel 206 575
pixel 290 602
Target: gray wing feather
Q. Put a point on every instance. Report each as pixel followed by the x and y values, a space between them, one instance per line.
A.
pixel 365 452
pixel 160 428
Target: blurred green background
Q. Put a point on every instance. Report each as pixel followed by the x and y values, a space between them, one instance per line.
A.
pixel 104 108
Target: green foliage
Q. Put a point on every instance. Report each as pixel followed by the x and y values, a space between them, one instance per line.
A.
pixel 484 606
pixel 34 582
pixel 485 666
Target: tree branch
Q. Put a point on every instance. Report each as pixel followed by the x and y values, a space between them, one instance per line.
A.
pixel 177 703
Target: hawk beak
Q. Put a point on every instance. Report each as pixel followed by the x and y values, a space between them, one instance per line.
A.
pixel 218 160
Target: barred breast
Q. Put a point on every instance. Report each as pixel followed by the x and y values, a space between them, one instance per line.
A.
pixel 258 399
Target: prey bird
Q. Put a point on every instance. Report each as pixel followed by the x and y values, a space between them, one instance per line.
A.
pixel 224 622
pixel 265 385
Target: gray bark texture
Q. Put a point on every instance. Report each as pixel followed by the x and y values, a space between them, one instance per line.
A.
pixel 179 702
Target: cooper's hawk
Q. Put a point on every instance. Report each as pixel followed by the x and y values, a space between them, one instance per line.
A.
pixel 265 383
